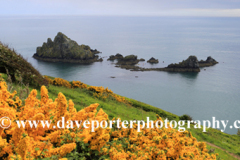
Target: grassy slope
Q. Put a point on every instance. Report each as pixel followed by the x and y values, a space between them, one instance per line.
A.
pixel 139 110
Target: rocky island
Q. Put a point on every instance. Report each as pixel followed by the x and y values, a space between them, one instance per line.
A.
pixel 191 64
pixel 128 60
pixel 152 60
pixel 188 65
pixel 117 56
pixel 209 62
pixel 63 49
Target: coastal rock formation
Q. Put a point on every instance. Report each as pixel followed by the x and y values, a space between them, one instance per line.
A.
pixel 63 49
pixel 188 65
pixel 128 60
pixel 141 59
pixel 152 60
pixel 209 62
pixel 117 56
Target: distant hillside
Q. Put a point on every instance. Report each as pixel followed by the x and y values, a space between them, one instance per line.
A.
pixel 18 68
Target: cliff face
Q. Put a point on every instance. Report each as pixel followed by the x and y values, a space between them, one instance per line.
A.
pixel 64 49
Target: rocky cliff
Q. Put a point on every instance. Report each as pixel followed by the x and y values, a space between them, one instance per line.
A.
pixel 63 49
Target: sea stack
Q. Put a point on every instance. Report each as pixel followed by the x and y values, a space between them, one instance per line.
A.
pixel 189 65
pixel 63 49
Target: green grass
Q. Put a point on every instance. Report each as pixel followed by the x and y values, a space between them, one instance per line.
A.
pixel 82 98
pixel 222 154
pixel 228 142
pixel 138 110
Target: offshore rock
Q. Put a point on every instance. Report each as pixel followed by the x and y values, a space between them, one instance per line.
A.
pixel 188 65
pixel 152 60
pixel 63 49
pixel 191 62
pixel 208 62
pixel 128 60
pixel 117 56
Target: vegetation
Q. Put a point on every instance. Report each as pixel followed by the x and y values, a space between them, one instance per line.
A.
pixel 18 68
pixel 83 97
pixel 80 142
pixel 185 117
pixel 19 103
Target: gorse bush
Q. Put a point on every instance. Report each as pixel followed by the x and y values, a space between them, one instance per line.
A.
pixel 80 143
pixel 78 84
pixel 42 142
pixel 98 92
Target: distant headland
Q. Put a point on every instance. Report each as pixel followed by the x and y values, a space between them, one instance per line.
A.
pixel 63 49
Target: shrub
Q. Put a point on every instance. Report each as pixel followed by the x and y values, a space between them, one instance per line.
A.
pixel 19 68
pixel 185 117
pixel 78 84
pixel 80 143
pixel 61 82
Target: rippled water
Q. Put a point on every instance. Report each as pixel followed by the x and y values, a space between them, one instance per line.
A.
pixel 214 92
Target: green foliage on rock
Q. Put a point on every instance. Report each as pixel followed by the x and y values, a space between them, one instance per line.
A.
pixel 191 62
pixel 64 48
pixel 130 58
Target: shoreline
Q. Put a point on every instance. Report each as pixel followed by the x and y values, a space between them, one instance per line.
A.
pixel 68 60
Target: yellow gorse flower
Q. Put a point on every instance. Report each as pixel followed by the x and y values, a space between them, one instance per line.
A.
pixel 126 143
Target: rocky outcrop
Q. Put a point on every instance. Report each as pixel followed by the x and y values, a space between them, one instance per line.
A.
pixel 141 59
pixel 152 60
pixel 63 49
pixel 208 62
pixel 188 65
pixel 117 56
pixel 128 60
pixel 95 51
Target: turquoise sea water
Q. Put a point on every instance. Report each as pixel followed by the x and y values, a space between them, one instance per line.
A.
pixel 212 92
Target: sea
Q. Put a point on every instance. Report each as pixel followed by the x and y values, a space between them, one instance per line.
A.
pixel 213 92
